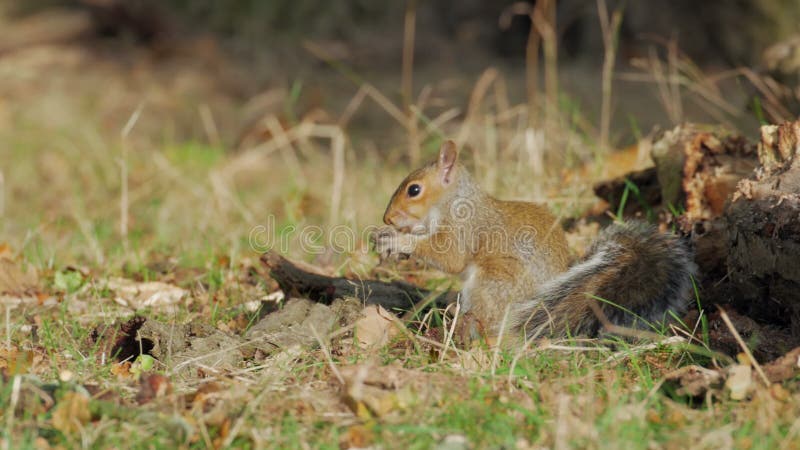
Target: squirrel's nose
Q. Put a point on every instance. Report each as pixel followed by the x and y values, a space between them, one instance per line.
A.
pixel 388 218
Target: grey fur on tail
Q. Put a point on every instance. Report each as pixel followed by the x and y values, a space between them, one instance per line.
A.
pixel 644 273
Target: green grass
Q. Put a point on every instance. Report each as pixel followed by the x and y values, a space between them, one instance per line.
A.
pixel 192 207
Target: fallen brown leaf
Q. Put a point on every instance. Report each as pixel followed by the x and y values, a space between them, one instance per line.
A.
pixel 14 280
pixel 152 294
pixel 71 413
pixel 14 362
pixel 357 436
pixel 376 328
pixel 784 368
pixel 153 386
pixel 122 370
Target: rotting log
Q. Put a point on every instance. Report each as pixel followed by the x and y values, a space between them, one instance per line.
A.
pixel 696 168
pixel 395 295
pixel 742 211
pixel 763 226
pixel 740 205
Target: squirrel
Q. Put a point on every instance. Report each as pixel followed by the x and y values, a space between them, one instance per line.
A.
pixel 514 259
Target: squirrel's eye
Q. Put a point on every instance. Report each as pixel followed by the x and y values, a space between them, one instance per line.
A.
pixel 414 190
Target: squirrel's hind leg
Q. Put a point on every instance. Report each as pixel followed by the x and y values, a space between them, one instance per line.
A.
pixel 487 304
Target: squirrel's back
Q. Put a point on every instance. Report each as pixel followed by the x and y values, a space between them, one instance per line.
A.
pixel 633 273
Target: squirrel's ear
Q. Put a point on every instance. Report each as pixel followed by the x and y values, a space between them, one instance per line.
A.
pixel 448 154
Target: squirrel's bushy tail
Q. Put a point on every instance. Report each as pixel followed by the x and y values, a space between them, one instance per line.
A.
pixel 633 273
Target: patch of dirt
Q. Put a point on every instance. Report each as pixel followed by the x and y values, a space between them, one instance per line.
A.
pixel 198 350
pixel 188 348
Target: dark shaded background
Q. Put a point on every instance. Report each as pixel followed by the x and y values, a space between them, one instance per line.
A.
pixel 730 32
pixel 353 41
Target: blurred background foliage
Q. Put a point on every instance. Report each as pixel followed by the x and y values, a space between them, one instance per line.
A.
pixel 199 96
pixel 728 31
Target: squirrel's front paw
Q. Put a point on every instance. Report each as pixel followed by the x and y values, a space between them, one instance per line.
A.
pixel 389 242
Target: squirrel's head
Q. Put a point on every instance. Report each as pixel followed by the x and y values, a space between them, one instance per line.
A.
pixel 418 196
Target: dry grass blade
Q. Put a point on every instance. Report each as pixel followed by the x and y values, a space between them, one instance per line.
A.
pixel 286 146
pixel 385 103
pixel 562 427
pixel 124 202
pixel 86 230
pixel 407 80
pixel 337 139
pixel 475 101
pixel 210 125
pixel 744 347
pixel 544 20
pixel 225 196
pixel 664 84
pixel 773 106
pixel 531 58
pixel 618 330
pixel 327 353
pixel 610 29
pixel 2 194
pixel 791 436
pixel 253 155
pixel 497 345
pixel 448 341
pixel 618 356
pixel 673 67
pixel 194 360
pixel 248 410
pixel 435 125
pixel 15 396
pixel 7 310
pixel 71 199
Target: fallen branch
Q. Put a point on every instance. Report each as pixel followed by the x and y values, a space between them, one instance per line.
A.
pixel 396 295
